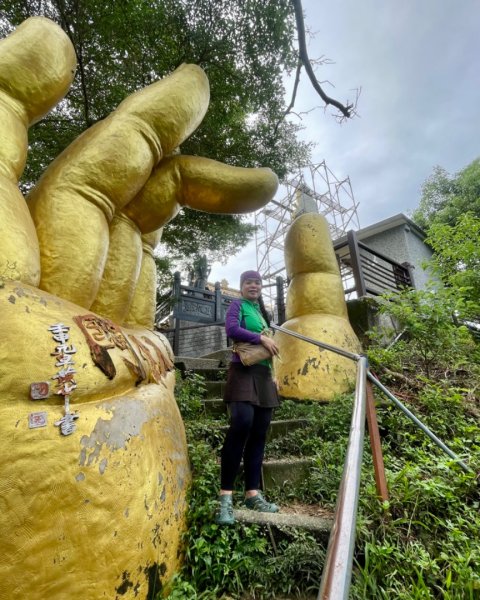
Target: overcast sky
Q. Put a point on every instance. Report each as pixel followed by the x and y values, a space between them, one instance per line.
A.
pixel 417 63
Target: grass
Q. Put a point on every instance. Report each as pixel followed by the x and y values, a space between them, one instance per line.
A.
pixel 422 544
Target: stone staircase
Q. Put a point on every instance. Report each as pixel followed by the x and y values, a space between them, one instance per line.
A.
pixel 277 473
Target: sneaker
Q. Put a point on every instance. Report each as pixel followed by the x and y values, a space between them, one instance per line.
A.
pixel 224 514
pixel 259 504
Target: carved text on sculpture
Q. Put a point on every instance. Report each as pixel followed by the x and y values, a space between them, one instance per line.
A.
pixel 66 384
pixel 63 353
pixel 142 357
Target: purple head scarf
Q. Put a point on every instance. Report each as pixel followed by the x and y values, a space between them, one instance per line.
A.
pixel 249 275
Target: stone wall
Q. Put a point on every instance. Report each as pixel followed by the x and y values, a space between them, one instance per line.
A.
pixel 403 244
pixel 199 341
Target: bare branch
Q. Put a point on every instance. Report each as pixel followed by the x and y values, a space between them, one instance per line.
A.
pixel 353 107
pixel 346 111
pixel 322 60
pixel 294 95
pixel 304 112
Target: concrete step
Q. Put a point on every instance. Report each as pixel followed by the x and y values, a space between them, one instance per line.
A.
pixel 279 428
pixel 291 471
pixel 284 519
pixel 212 373
pixel 222 356
pixel 214 389
pixel 189 363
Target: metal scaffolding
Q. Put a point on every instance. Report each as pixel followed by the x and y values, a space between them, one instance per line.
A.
pixel 315 184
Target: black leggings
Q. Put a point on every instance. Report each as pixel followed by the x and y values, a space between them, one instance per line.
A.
pixel 246 436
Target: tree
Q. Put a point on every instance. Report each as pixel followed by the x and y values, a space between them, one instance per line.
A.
pixel 430 337
pixel 450 212
pixel 456 259
pixel 445 198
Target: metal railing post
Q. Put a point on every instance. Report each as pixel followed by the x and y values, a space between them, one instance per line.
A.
pixel 410 268
pixel 337 572
pixel 280 300
pixel 176 294
pixel 218 302
pixel 376 445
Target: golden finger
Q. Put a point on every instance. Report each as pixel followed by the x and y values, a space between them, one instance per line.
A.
pixel 202 184
pixel 127 292
pixel 142 308
pixel 196 182
pixel 316 308
pixel 76 199
pixel 37 65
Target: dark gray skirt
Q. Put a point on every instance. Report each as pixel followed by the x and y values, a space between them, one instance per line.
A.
pixel 252 384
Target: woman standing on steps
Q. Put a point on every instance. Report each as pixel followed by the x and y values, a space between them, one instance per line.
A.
pixel 251 395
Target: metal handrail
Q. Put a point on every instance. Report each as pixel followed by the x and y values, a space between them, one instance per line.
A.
pixel 337 572
pixel 305 338
pixel 381 387
pixel 419 423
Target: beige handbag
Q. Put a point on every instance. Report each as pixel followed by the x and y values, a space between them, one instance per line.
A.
pixel 251 354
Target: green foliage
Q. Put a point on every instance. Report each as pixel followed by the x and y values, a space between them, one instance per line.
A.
pixel 296 569
pixel 216 559
pixel 239 560
pixel 324 423
pixel 245 49
pixel 450 212
pixel 446 198
pixel 421 544
pixel 425 545
pixel 189 393
pixel 218 236
pixel 432 341
pixel 223 560
pixel 457 259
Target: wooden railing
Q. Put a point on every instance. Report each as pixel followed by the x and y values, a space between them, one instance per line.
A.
pixel 365 271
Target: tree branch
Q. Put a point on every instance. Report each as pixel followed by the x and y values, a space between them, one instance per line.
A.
pixel 294 96
pixel 305 61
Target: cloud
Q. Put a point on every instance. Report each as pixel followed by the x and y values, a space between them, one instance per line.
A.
pixel 417 64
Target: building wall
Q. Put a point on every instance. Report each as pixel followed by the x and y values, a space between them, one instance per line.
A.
pixel 403 244
pixel 199 341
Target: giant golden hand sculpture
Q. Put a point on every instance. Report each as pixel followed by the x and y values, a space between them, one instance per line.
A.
pixel 315 308
pixel 94 464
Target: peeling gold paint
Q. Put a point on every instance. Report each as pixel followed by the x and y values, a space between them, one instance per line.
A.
pixel 123 473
